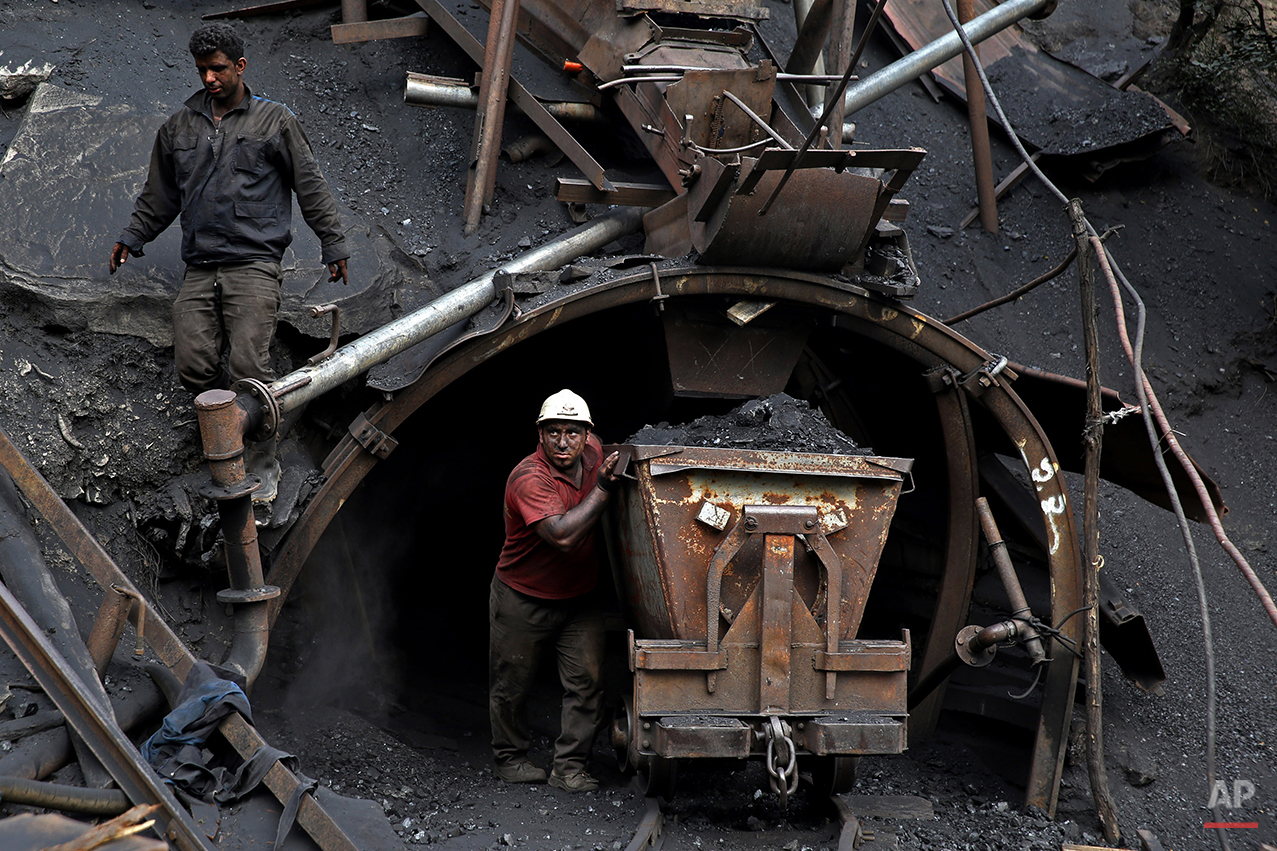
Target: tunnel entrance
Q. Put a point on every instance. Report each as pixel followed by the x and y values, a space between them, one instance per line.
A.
pixel 396 591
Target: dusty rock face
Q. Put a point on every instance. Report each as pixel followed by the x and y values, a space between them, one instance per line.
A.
pixel 778 422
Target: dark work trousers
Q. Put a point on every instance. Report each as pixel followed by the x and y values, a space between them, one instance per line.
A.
pixel 233 303
pixel 523 630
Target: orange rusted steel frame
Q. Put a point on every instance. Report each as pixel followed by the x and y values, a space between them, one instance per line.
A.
pixel 981 156
pixel 498 54
pixel 953 600
pixel 892 323
pixel 85 548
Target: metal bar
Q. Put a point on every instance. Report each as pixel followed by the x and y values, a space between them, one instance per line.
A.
pixel 815 94
pixel 954 598
pixel 313 818
pixel 1004 186
pixel 981 156
pixel 405 27
pixel 521 98
pixel 263 9
pixel 354 11
pixel 447 310
pixel 813 29
pixel 498 54
pixel 928 57
pixel 104 738
pixel 777 624
pixel 572 191
pixel 650 835
pixel 159 636
pixel 841 33
pixel 108 626
pixel 428 90
pixel 1010 582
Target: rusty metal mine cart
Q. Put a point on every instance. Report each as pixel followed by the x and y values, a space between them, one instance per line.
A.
pixel 745 574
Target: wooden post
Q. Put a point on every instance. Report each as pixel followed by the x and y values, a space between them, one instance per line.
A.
pixel 1092 436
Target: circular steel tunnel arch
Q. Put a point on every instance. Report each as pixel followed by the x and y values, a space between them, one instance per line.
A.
pixel 911 333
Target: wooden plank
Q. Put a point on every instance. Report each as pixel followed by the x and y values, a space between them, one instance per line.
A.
pixel 409 25
pixel 890 806
pixel 897 210
pixel 571 190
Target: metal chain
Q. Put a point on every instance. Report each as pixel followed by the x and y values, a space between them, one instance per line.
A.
pixel 782 759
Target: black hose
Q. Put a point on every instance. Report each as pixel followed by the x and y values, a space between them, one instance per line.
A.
pixel 55 796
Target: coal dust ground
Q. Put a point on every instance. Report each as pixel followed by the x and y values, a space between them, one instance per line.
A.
pixel 103 418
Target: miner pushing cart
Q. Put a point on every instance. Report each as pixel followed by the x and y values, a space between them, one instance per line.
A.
pixel 745 575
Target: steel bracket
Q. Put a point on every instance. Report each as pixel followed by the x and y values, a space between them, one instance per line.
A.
pixel 372 438
pixel 269 422
pixel 941 379
pixel 781 519
pixel 982 377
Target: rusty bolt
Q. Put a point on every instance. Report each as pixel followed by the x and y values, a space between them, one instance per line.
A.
pixel 647 725
pixel 647 744
pixel 809 524
pixel 751 523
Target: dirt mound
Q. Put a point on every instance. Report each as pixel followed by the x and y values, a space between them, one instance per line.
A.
pixel 778 422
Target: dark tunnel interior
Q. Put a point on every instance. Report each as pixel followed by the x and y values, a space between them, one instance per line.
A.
pixel 398 584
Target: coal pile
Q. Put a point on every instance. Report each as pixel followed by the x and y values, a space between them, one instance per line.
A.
pixel 778 422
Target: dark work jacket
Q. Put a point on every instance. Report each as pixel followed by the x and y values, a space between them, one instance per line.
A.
pixel 231 183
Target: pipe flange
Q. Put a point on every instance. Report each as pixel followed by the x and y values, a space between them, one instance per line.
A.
pixel 269 422
pixel 260 594
pixel 969 651
pixel 211 490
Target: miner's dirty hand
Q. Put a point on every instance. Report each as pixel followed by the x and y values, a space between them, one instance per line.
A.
pixel 119 254
pixel 337 270
pixel 609 464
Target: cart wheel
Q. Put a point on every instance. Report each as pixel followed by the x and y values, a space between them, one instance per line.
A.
pixel 623 735
pixel 658 777
pixel 833 775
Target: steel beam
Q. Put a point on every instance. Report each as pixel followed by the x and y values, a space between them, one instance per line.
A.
pixel 937 53
pixel 107 741
pixel 522 98
pixel 498 54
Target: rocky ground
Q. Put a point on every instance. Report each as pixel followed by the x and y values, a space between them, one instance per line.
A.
pixel 100 413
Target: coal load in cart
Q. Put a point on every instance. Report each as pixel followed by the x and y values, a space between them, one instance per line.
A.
pixel 745 574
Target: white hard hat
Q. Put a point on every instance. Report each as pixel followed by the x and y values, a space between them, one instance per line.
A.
pixel 565 405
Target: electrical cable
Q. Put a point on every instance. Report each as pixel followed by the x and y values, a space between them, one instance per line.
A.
pixel 1146 396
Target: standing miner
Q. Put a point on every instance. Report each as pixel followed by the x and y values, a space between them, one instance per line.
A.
pixel 229 161
pixel 543 596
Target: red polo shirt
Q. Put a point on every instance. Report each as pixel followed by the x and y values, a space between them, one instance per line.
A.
pixel 537 490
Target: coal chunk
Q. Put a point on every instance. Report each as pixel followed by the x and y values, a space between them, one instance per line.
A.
pixel 779 422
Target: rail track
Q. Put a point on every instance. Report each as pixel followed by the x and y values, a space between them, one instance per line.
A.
pixel 653 827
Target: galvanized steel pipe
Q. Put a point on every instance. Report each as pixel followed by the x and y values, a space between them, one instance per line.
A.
pixel 462 303
pixel 935 54
pixel 424 90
